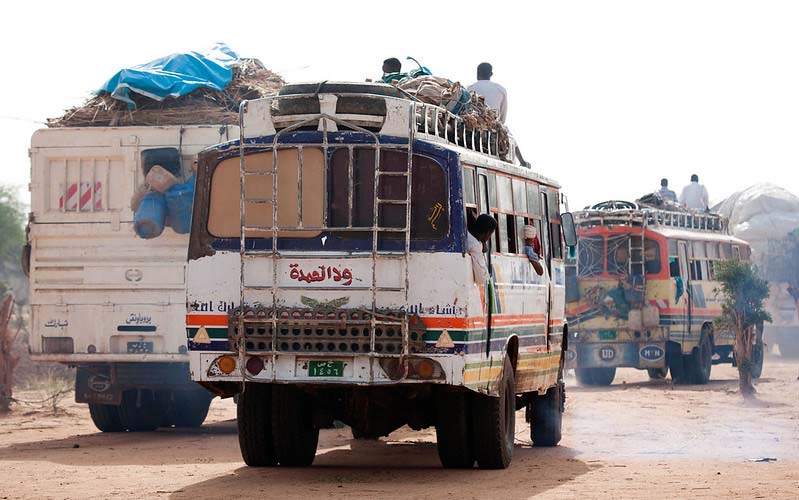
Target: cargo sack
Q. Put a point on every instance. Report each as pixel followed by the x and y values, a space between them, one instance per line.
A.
pixel 160 179
pixel 151 216
pixel 179 201
pixel 138 194
pixel 438 91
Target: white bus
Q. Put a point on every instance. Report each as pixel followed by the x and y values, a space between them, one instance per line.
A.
pixel 328 278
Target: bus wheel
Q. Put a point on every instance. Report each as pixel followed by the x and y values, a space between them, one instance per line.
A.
pixel 547 413
pixel 657 373
pixel 254 420
pixel 494 427
pixel 191 407
pixel 454 430
pixel 595 376
pixel 293 431
pixel 140 410
pixel 106 417
pixel 700 361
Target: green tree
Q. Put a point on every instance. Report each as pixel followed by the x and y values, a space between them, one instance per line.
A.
pixel 12 236
pixel 743 312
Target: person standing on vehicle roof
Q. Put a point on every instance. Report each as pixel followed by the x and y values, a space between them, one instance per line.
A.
pixel 694 195
pixel 665 192
pixel 495 95
pixel 476 238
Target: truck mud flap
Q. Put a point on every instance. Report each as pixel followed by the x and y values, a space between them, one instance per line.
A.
pixel 97 384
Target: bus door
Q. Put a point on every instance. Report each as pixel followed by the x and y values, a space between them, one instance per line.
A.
pixel 546 251
pixel 684 254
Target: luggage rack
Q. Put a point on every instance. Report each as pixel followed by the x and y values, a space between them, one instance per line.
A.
pixel 698 221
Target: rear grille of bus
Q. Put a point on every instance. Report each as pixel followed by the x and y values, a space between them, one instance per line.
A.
pixel 348 331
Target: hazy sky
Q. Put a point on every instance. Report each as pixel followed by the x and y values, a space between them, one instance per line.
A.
pixel 606 97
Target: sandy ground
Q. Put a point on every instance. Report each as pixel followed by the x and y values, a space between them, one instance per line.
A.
pixel 636 439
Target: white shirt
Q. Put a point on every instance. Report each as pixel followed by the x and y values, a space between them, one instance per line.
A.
pixel 475 249
pixel 694 196
pixel 495 95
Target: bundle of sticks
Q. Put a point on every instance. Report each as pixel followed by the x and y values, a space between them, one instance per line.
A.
pixel 251 80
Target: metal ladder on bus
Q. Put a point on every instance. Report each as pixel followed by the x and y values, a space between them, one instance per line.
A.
pixel 637 261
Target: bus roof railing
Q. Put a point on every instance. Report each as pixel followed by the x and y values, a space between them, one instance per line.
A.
pixel 690 220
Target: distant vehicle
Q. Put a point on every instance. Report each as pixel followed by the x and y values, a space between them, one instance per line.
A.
pixel 641 294
pixel 328 278
pixel 773 259
pixel 102 299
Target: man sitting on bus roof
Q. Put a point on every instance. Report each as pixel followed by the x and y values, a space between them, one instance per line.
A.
pixel 532 248
pixel 665 192
pixel 476 238
pixel 392 70
pixel 495 95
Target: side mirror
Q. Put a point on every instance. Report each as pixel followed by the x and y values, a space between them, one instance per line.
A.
pixel 569 232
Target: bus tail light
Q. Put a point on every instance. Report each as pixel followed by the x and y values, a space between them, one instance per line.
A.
pixel 254 365
pixel 226 364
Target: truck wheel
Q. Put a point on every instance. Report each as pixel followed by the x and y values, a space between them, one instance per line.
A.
pixel 293 431
pixel 547 416
pixel 453 430
pixel 106 417
pixel 140 411
pixel 254 420
pixel 756 366
pixel 595 376
pixel 191 407
pixel 494 426
pixel 700 361
pixel 657 373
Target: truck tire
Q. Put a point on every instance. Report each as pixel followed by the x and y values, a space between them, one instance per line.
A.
pixel 595 376
pixel 700 361
pixel 191 407
pixel 106 417
pixel 453 430
pixel 657 373
pixel 494 428
pixel 546 424
pixel 293 432
pixel 140 411
pixel 254 420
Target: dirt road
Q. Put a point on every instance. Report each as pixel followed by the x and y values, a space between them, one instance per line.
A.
pixel 636 439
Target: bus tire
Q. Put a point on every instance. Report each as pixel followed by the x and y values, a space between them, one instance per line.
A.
pixel 254 421
pixel 454 430
pixel 657 373
pixel 494 427
pixel 700 361
pixel 140 411
pixel 106 417
pixel 191 407
pixel 294 434
pixel 547 412
pixel 595 376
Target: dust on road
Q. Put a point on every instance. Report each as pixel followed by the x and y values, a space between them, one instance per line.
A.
pixel 636 439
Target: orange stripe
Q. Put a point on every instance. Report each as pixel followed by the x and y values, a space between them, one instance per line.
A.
pixel 207 319
pixel 480 321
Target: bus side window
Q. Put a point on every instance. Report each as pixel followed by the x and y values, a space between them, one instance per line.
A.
pixel 468 187
pixel 482 186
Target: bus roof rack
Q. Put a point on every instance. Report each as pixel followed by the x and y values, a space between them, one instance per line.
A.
pixel 626 213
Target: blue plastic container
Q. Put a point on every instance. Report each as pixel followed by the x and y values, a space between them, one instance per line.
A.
pixel 179 199
pixel 151 215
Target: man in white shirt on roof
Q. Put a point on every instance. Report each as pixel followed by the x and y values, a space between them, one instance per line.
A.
pixel 694 195
pixel 495 95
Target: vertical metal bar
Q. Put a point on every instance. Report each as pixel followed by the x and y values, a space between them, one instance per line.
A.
pixel 435 121
pixel 241 344
pixel 94 182
pixel 426 128
pixel 406 256
pixel 326 180
pixel 446 126
pixel 350 181
pixel 299 185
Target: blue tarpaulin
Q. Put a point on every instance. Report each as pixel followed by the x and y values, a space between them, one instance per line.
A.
pixel 174 75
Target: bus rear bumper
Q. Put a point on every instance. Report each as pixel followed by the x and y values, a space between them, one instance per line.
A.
pixel 617 354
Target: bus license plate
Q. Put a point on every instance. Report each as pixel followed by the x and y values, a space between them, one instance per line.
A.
pixel 140 347
pixel 325 368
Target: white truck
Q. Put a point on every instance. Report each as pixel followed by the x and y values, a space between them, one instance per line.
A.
pixel 103 300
